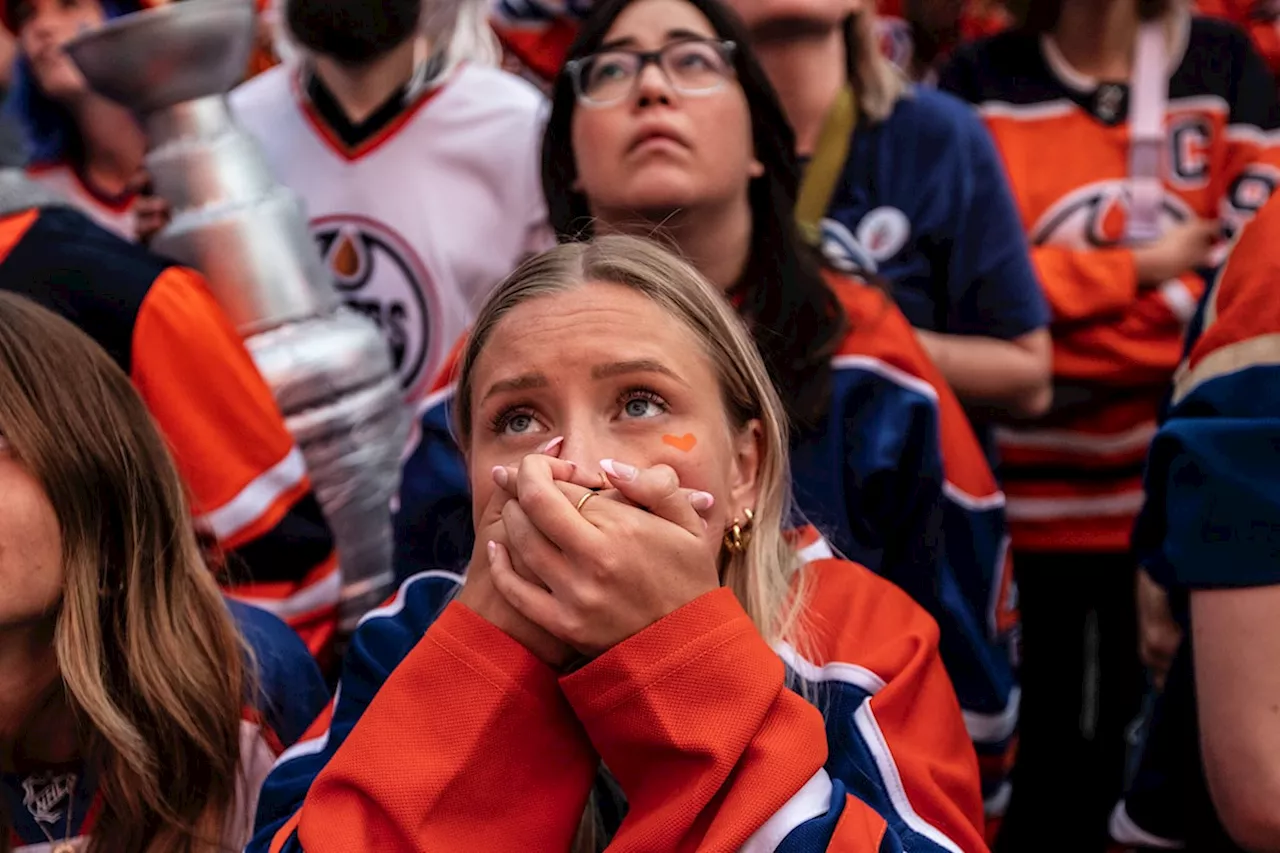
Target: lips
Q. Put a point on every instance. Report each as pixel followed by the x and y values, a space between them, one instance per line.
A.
pixel 658 133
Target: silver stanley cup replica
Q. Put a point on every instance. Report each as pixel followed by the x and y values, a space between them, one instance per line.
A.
pixel 330 369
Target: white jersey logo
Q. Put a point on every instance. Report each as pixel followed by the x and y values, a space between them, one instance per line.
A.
pixel 47 795
pixel 1094 217
pixel 883 232
pixel 380 276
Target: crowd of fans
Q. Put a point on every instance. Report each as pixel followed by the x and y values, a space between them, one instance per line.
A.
pixel 837 426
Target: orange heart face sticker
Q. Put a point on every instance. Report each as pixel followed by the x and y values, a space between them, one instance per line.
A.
pixel 681 442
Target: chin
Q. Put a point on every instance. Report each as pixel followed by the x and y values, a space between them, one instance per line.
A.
pixel 659 191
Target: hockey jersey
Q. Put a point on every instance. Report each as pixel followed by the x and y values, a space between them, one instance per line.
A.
pixel 692 716
pixel 421 218
pixel 114 214
pixel 246 479
pixel 1074 479
pixel 1212 502
pixel 291 693
pixel 1259 18
pixel 895 478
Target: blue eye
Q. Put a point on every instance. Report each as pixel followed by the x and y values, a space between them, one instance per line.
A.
pixel 519 423
pixel 642 404
pixel 514 422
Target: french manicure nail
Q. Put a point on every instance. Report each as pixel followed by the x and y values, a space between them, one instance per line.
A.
pixel 618 470
pixel 501 476
pixel 492 548
pixel 702 501
pixel 551 445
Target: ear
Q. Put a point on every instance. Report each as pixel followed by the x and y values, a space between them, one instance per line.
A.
pixel 755 169
pixel 747 455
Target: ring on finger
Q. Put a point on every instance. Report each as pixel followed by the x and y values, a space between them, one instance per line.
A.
pixel 583 500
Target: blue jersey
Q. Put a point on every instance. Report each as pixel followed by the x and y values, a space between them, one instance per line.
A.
pixel 1213 505
pixel 924 202
pixel 894 477
pixel 447 735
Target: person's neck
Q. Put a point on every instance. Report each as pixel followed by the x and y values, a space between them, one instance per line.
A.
pixel 717 242
pixel 28 672
pixel 808 70
pixel 361 89
pixel 1097 37
pixel 114 146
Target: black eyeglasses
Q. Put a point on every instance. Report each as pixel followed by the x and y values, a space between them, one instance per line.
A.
pixel 692 67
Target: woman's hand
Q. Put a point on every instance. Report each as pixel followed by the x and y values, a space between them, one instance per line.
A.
pixel 480 595
pixel 593 578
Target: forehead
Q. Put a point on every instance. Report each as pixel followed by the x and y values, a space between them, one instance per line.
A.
pixel 589 325
pixel 653 19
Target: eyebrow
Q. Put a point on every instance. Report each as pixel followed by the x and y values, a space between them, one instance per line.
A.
pixel 519 383
pixel 640 365
pixel 529 381
pixel 672 35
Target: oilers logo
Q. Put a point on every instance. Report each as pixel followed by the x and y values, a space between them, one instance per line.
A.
pixel 379 275
pixel 1095 216
pixel 894 38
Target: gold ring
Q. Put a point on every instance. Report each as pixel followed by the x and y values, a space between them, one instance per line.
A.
pixel 583 500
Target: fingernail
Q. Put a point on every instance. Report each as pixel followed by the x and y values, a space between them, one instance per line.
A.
pixel 500 476
pixel 492 548
pixel 618 470
pixel 702 501
pixel 551 445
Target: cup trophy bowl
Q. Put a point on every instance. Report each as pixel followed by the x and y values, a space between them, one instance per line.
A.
pixel 329 368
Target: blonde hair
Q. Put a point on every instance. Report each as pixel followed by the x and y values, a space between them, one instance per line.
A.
pixel 876 81
pixel 763 577
pixel 151 663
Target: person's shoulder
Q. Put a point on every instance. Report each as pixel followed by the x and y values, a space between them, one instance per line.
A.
pixel 501 92
pixel 418 602
pixel 264 92
pixel 854 616
pixel 291 690
pixel 1217 34
pixel 879 337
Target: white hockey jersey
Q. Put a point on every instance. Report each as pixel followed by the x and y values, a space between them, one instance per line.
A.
pixel 114 214
pixel 421 219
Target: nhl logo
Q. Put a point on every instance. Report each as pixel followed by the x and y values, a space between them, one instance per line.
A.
pixel 47 795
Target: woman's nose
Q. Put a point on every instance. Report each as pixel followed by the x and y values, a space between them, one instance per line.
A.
pixel 585 451
pixel 652 85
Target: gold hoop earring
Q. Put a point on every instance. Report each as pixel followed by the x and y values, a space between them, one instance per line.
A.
pixel 738 536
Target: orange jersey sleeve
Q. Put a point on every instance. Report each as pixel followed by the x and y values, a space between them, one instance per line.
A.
pixel 467 746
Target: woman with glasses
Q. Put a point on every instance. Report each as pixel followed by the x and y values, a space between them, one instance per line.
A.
pixel 681 135
pixel 636 617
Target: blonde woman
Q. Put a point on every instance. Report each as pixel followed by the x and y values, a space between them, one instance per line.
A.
pixel 138 714
pixel 632 603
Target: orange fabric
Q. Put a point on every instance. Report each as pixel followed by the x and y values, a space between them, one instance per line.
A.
pixel 1246 308
pixel 856 616
pixel 13 228
pixel 1108 333
pixel 691 715
pixel 219 448
pixel 403 781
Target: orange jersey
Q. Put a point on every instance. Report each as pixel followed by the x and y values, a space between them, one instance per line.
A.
pixel 1074 480
pixel 701 723
pixel 246 479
